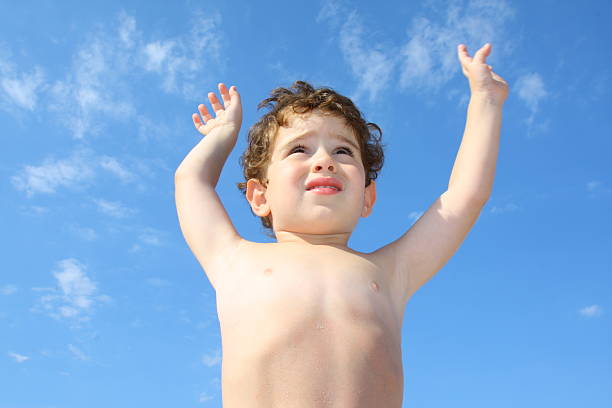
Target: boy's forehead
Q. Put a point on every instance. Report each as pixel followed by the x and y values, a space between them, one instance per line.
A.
pixel 303 125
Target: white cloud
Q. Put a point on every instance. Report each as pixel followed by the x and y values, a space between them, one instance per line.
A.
pixel 8 289
pixel 93 88
pixel 530 89
pixel 18 357
pixel 52 174
pixel 75 295
pixel 509 207
pixel 204 397
pixel 158 282
pixel 78 353
pixel 371 67
pixel 112 165
pixel 330 10
pixel 151 236
pixel 76 171
pixel 127 29
pixel 597 188
pixel 101 81
pixel 113 208
pixel 156 53
pixel 591 311
pixel 212 359
pixel 429 58
pixel 85 233
pixel 22 89
pixel 19 89
pixel 148 236
pixel 180 61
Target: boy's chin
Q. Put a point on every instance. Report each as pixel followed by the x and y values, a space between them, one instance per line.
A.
pixel 319 227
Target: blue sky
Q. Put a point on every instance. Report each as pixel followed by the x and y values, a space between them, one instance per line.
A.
pixel 101 301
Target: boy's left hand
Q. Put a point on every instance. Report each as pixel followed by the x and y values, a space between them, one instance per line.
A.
pixel 483 81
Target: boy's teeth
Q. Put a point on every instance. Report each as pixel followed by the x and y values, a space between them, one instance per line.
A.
pixel 324 187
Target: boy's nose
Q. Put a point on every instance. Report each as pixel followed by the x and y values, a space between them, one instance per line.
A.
pixel 330 167
pixel 324 161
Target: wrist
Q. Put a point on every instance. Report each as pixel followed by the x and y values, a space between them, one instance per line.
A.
pixel 486 98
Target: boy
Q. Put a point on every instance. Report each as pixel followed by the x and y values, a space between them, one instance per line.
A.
pixel 307 321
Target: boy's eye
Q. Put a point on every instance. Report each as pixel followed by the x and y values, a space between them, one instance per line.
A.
pixel 299 147
pixel 348 151
pixel 303 148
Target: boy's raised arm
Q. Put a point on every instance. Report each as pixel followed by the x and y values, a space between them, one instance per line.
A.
pixel 204 222
pixel 428 245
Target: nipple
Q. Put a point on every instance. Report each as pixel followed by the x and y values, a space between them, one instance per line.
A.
pixel 374 286
pixel 267 271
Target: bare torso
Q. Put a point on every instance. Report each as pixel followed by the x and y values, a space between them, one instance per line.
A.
pixel 309 326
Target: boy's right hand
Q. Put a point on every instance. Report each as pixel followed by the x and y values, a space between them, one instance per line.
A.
pixel 228 118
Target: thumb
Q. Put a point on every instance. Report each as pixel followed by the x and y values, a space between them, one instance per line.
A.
pixel 483 53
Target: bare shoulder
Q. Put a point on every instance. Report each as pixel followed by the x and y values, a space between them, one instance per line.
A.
pixel 239 257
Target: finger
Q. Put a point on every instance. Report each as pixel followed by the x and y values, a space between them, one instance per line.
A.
pixel 235 96
pixel 214 101
pixel 482 53
pixel 196 121
pixel 463 55
pixel 204 112
pixel 225 95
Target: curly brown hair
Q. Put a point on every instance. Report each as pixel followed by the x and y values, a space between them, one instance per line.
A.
pixel 302 98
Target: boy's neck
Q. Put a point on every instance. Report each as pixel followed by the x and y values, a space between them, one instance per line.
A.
pixel 339 239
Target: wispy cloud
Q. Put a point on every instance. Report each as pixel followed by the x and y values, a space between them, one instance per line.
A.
pixel 531 90
pixel 158 282
pixel 597 188
pixel 78 353
pixel 18 357
pixel 148 236
pixel 371 66
pixel 93 88
pixel 204 397
pixel 113 208
pixel 52 174
pixel 591 311
pixel 8 289
pixel 19 88
pixel 180 60
pixel 212 359
pixel 429 58
pixel 112 165
pixel 105 70
pixel 85 233
pixel 75 295
pixel 501 209
pixel 74 172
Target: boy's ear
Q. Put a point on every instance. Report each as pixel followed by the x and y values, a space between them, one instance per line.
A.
pixel 369 199
pixel 256 195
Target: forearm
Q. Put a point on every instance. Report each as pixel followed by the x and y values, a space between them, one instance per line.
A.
pixel 474 169
pixel 205 161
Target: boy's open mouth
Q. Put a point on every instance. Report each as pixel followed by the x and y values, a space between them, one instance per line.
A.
pixel 324 184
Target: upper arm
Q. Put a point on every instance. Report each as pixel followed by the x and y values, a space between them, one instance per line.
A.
pixel 428 245
pixel 205 224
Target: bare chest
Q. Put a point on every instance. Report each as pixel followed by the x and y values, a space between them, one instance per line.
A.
pixel 306 321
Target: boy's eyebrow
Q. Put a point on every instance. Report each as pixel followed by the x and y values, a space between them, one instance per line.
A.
pixel 340 137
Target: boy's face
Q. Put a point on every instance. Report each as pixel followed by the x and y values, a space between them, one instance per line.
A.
pixel 313 145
